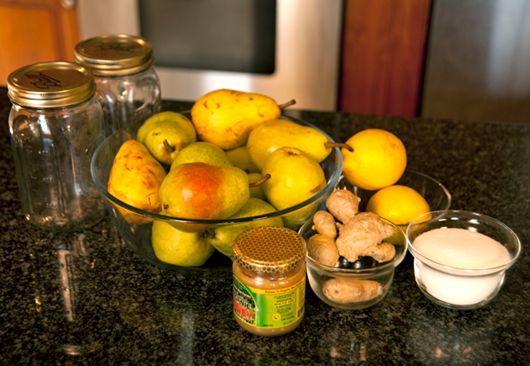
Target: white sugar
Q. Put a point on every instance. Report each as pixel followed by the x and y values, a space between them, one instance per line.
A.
pixel 462 249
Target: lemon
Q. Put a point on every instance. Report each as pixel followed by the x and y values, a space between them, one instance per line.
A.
pixel 378 159
pixel 398 204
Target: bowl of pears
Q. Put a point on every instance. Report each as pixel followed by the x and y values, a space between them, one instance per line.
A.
pixel 187 184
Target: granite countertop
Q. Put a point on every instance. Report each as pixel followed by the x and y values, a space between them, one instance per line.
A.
pixel 84 298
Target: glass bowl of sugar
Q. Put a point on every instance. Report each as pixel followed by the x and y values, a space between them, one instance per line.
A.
pixel 461 257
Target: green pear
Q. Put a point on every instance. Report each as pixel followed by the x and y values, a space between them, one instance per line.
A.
pixel 273 134
pixel 201 152
pixel 225 117
pixel 181 248
pixel 135 178
pixel 294 178
pixel 204 191
pixel 241 158
pixel 165 134
pixel 222 237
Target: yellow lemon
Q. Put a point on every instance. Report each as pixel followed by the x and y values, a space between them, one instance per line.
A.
pixel 378 159
pixel 397 203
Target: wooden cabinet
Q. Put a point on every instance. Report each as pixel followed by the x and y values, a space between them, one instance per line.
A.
pixel 383 54
pixel 36 30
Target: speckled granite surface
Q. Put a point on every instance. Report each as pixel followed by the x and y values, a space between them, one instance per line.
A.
pixel 82 298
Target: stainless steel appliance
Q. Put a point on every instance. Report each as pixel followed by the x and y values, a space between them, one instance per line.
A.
pixel 478 61
pixel 284 48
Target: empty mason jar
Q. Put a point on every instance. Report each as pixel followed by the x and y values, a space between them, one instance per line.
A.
pixel 56 124
pixel 128 88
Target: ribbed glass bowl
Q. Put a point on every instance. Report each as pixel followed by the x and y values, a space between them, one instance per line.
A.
pixel 137 236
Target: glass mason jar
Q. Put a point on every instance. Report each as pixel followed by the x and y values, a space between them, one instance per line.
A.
pixel 56 124
pixel 128 88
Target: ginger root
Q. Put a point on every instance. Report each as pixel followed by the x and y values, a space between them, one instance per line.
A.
pixel 348 290
pixel 359 234
pixel 322 248
pixel 343 205
pixel 382 252
pixel 362 235
pixel 324 223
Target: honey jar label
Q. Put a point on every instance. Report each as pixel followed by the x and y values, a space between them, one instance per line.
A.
pixel 271 308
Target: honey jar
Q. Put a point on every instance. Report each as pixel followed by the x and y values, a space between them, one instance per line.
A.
pixel 269 279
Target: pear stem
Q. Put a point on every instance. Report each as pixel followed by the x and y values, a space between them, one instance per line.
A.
pixel 287 104
pixel 342 145
pixel 260 181
pixel 168 146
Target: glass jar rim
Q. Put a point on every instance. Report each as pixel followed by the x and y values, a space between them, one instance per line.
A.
pixel 115 54
pixel 50 84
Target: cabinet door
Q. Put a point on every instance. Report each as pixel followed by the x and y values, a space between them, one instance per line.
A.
pixel 383 56
pixel 36 30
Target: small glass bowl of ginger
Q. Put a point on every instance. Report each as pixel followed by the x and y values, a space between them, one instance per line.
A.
pixel 351 255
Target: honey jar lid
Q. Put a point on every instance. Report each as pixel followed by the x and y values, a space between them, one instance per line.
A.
pixel 50 85
pixel 115 54
pixel 269 250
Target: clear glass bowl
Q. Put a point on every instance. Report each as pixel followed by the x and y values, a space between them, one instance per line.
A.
pixel 459 285
pixel 138 236
pixel 434 192
pixel 319 275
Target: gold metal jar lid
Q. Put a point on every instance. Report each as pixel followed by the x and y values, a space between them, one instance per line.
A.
pixel 114 55
pixel 269 250
pixel 50 85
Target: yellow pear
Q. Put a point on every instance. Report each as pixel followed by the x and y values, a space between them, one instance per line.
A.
pixel 135 178
pixel 165 134
pixel 201 152
pixel 273 134
pixel 294 178
pixel 241 158
pixel 225 117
